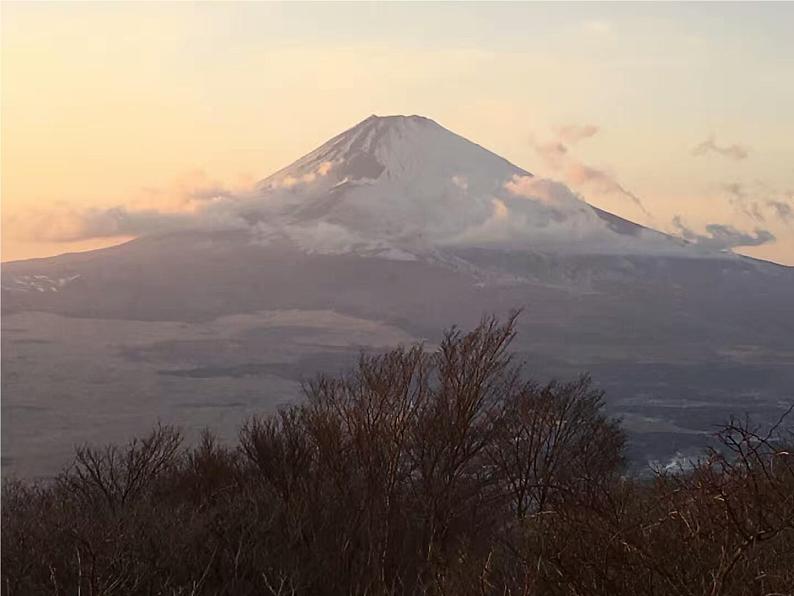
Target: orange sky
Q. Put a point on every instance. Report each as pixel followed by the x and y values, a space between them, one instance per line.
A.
pixel 143 104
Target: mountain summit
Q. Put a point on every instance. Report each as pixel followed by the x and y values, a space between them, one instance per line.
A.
pixel 397 148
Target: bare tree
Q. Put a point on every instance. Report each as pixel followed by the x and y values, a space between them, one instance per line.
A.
pixel 419 472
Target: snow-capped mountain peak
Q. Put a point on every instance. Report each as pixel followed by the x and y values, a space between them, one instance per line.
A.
pixel 404 185
pixel 395 148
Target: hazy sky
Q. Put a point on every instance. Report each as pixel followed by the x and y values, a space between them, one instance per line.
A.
pixel 675 116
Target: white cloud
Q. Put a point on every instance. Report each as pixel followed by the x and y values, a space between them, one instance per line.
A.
pixel 547 192
pixel 558 158
pixel 290 182
pixel 722 236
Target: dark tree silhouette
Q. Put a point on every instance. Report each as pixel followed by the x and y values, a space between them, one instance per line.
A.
pixel 443 472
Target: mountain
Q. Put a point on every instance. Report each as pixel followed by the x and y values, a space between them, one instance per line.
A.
pixel 387 233
pixel 404 187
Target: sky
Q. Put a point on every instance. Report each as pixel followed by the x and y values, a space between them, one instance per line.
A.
pixel 677 116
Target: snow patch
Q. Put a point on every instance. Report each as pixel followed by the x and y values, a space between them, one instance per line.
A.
pixel 38 283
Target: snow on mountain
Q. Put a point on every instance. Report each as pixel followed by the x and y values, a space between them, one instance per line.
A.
pixel 38 283
pixel 403 186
